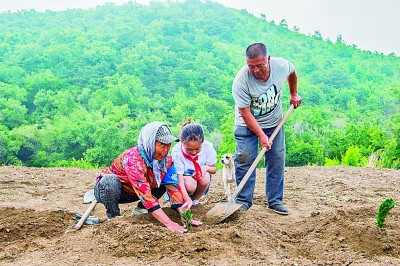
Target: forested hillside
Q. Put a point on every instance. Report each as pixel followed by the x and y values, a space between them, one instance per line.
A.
pixel 76 86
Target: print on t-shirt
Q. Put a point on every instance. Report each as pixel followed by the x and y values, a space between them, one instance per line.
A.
pixel 265 103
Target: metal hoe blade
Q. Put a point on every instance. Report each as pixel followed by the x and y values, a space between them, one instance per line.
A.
pixel 89 196
pixel 223 210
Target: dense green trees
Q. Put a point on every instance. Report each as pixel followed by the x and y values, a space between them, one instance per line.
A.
pixel 76 86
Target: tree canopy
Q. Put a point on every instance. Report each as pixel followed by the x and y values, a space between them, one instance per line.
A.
pixel 76 86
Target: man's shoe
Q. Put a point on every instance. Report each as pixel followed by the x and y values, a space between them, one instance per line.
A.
pixel 278 208
pixel 139 211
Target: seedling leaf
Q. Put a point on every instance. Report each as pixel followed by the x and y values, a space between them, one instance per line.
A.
pixel 383 211
pixel 187 217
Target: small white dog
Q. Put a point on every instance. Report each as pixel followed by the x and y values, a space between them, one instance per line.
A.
pixel 228 173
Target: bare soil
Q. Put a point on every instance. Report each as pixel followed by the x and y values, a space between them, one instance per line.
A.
pixel 332 221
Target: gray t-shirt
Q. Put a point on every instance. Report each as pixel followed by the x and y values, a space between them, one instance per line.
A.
pixel 263 98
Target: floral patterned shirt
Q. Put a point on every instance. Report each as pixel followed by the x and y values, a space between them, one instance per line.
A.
pixel 138 180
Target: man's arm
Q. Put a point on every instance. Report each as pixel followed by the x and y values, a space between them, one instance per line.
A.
pixel 253 125
pixel 295 99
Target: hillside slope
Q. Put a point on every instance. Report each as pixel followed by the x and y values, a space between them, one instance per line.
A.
pixel 78 85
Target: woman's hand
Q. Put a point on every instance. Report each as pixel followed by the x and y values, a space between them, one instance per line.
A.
pixel 164 219
pixel 175 227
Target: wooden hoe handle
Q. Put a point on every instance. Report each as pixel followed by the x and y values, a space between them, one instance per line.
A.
pixel 86 215
pixel 264 149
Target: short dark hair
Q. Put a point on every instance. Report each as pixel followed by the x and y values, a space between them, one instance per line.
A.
pixel 256 49
pixel 191 132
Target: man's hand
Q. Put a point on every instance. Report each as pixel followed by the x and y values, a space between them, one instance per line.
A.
pixel 295 100
pixel 264 142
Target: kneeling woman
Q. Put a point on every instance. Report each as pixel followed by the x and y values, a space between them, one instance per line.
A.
pixel 139 173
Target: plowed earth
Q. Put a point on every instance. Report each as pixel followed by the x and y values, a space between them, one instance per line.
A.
pixel 332 221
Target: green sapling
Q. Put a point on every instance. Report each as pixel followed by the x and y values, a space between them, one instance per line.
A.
pixel 383 211
pixel 187 217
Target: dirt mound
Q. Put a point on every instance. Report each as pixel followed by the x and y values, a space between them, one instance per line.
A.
pixel 331 222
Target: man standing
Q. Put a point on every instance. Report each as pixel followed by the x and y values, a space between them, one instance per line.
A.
pixel 257 90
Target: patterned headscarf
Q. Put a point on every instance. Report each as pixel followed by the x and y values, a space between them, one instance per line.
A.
pixel 147 149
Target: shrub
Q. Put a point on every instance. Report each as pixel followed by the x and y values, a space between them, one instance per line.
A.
pixel 353 157
pixel 331 162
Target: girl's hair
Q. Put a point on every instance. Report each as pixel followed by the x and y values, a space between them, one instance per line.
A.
pixel 191 131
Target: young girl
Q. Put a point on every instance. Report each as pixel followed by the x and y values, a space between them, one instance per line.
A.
pixel 195 160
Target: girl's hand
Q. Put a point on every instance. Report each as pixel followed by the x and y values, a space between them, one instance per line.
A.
pixel 204 169
pixel 195 222
pixel 187 205
pixel 211 169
